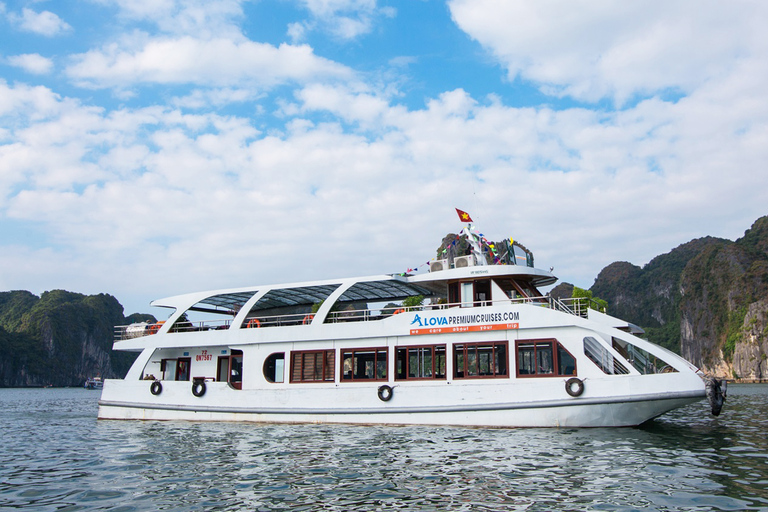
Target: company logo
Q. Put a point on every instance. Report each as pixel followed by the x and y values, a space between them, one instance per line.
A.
pixel 479 318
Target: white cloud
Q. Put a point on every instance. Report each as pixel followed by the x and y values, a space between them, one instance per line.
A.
pixel 44 23
pixel 344 19
pixel 32 63
pixel 352 183
pixel 614 49
pixel 152 191
pixel 201 18
pixel 216 62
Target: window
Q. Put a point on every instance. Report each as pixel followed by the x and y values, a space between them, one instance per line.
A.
pixel 222 368
pixel 477 360
pixel 427 362
pixel 312 366
pixel 643 361
pixel 470 293
pixel 236 369
pixel 274 367
pixel 176 369
pixel 182 368
pixel 543 358
pixel 364 364
pixel 602 357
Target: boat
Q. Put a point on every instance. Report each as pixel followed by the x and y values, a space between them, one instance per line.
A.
pixel 470 341
pixel 94 383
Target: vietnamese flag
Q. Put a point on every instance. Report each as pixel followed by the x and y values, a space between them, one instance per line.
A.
pixel 464 216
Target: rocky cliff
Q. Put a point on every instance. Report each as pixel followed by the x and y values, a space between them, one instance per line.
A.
pixel 706 299
pixel 59 339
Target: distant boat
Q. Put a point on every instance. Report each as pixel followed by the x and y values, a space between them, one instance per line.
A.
pixel 94 383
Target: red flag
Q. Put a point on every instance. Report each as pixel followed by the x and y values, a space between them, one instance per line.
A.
pixel 464 216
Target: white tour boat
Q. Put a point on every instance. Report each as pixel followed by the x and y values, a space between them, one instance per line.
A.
pixel 467 343
pixel 94 383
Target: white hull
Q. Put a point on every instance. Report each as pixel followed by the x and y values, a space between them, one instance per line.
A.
pixel 483 406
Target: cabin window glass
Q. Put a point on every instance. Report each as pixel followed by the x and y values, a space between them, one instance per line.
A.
pixel 467 294
pixel 182 368
pixel 168 369
pixel 236 369
pixel 543 358
pixel 643 361
pixel 453 293
pixel 479 360
pixel 602 357
pixel 274 367
pixel 427 362
pixel 482 292
pixel 364 364
pixel 222 368
pixel 312 366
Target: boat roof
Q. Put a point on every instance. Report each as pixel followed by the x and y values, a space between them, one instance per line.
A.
pixel 369 288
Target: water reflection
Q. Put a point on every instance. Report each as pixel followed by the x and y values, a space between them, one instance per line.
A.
pixel 55 455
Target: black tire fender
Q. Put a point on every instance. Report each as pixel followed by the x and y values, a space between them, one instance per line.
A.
pixel 156 388
pixel 198 388
pixel 574 386
pixel 385 393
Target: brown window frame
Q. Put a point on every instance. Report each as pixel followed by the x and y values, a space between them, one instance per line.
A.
pixel 235 356
pixel 463 372
pixel 300 372
pixel 350 376
pixel 179 362
pixel 222 376
pixel 555 346
pixel 407 359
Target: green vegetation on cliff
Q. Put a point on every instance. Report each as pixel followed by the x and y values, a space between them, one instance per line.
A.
pixel 695 300
pixel 60 338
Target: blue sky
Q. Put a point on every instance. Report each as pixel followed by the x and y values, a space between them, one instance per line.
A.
pixel 155 147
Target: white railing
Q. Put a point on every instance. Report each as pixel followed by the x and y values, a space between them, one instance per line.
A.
pixel 572 306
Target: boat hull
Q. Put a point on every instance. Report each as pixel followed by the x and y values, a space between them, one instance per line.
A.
pixel 589 410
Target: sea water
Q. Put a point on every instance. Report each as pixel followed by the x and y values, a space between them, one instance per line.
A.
pixel 55 455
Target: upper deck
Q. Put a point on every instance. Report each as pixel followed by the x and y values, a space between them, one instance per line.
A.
pixel 362 299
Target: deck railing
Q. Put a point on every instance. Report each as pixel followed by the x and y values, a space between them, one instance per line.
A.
pixel 572 306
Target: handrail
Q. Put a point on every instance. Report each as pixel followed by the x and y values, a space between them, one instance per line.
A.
pixel 572 306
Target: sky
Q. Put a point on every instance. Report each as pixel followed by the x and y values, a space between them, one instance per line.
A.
pixel 150 148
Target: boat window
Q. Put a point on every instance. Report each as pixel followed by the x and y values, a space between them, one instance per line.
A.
pixel 274 367
pixel 182 368
pixel 312 365
pixel 364 364
pixel 424 362
pixel 543 358
pixel 478 360
pixel 168 369
pixel 222 369
pixel 602 357
pixel 236 369
pixel 643 361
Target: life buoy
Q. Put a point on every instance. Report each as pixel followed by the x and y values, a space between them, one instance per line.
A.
pixel 253 322
pixel 308 319
pixel 198 388
pixel 385 393
pixel 574 386
pixel 398 311
pixel 156 388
